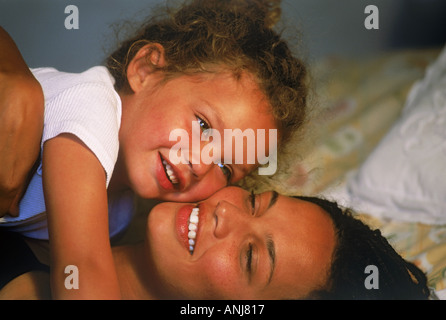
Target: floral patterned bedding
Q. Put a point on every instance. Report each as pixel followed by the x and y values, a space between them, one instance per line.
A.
pixel 423 244
pixel 357 103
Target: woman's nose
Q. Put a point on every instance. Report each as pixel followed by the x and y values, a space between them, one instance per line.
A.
pixel 229 219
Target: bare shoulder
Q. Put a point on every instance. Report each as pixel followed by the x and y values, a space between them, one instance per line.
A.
pixel 33 285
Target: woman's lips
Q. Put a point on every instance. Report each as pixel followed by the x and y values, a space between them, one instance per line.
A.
pixel 182 225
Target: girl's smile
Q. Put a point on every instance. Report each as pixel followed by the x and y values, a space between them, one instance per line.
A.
pixel 169 178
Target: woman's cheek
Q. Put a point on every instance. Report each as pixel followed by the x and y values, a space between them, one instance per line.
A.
pixel 160 228
pixel 223 274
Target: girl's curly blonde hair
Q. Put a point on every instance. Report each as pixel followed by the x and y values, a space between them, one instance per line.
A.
pixel 236 35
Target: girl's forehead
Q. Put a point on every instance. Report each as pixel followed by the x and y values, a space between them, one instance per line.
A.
pixel 226 93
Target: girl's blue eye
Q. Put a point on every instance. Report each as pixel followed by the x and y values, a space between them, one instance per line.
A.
pixel 205 128
pixel 203 124
pixel 226 171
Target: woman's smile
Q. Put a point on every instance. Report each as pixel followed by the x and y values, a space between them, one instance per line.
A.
pixel 187 226
pixel 194 219
pixel 219 246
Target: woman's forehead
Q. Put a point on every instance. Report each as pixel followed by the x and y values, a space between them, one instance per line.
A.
pixel 305 242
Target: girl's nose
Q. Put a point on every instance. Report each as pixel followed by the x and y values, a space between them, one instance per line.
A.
pixel 204 158
pixel 200 168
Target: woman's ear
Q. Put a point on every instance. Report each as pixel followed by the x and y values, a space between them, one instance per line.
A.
pixel 144 64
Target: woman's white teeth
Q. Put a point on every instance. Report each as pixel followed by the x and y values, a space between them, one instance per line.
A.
pixel 170 173
pixel 194 218
pixel 193 226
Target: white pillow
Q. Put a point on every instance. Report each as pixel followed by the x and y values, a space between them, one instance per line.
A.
pixel 405 176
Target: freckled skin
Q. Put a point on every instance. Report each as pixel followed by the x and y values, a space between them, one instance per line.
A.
pixel 303 235
pixel 149 116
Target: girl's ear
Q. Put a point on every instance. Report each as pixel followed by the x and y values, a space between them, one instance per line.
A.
pixel 142 67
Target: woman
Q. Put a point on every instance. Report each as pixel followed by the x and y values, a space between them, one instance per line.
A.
pixel 219 66
pixel 248 246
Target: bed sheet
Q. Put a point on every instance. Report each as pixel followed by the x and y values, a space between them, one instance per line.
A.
pixel 357 103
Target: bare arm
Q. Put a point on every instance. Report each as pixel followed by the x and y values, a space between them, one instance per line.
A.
pixel 76 202
pixel 21 124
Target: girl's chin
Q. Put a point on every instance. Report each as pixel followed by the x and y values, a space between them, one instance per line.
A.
pixel 163 208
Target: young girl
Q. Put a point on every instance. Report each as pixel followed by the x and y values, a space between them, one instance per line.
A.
pixel 107 129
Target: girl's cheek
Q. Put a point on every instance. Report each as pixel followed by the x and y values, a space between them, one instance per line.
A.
pixel 208 188
pixel 203 189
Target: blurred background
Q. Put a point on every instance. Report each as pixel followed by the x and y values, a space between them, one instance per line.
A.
pixel 326 27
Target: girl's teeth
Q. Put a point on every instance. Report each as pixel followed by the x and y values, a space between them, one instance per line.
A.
pixel 193 226
pixel 170 172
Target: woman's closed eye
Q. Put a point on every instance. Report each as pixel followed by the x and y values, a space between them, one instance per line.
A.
pixel 252 200
pixel 249 259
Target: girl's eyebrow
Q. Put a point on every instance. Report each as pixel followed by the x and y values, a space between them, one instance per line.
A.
pixel 215 114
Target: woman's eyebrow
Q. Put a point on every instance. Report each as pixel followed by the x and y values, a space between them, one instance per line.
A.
pixel 269 240
pixel 272 256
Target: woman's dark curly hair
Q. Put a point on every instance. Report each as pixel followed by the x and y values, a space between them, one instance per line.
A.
pixel 230 35
pixel 359 246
